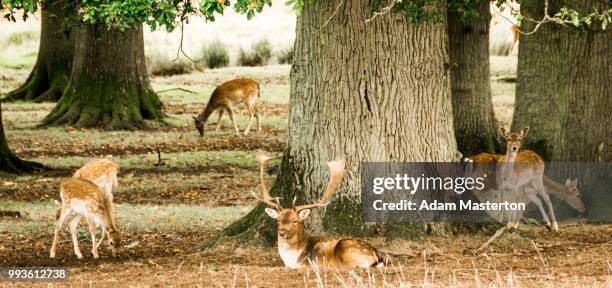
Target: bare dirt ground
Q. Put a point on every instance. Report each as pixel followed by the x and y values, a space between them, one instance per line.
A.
pixel 578 256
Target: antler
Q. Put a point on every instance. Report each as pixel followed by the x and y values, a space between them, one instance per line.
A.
pixel 262 159
pixel 336 169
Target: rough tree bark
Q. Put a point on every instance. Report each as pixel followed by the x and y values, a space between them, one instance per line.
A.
pixel 52 69
pixel 474 119
pixel 564 94
pixel 109 87
pixel 8 161
pixel 367 92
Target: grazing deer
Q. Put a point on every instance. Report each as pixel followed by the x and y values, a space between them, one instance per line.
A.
pixel 297 249
pixel 102 172
pixel 569 192
pixel 85 199
pixel 223 99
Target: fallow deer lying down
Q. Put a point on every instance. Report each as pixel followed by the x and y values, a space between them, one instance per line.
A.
pixel 85 199
pixel 297 249
pixel 224 97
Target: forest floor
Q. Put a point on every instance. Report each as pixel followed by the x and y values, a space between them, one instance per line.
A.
pixel 167 208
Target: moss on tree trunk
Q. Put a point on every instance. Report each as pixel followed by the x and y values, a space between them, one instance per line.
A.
pixel 365 92
pixel 8 161
pixel 109 87
pixel 52 69
pixel 473 115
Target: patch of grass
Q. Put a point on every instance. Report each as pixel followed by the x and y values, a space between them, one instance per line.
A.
pixel 259 55
pixel 215 55
pixel 171 160
pixel 285 56
pixel 22 37
pixel 130 218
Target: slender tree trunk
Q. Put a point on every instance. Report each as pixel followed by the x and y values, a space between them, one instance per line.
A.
pixel 564 93
pixel 109 87
pixel 8 161
pixel 474 119
pixel 367 92
pixel 52 69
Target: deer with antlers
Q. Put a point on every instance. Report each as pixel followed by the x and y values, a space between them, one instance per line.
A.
pixel 86 200
pixel 296 248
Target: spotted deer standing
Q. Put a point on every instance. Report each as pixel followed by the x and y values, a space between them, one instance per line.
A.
pixel 567 192
pixel 102 172
pixel 297 249
pixel 224 97
pixel 519 179
pixel 86 200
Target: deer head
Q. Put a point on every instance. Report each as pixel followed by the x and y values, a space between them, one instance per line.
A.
pixel 199 124
pixel 290 220
pixel 514 140
pixel 573 196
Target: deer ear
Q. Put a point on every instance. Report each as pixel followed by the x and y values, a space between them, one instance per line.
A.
pixel 303 214
pixel 575 182
pixel 272 212
pixel 568 182
pixel 503 132
pixel 524 132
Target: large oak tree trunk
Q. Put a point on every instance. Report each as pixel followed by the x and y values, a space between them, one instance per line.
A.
pixel 367 92
pixel 474 119
pixel 564 93
pixel 52 69
pixel 109 87
pixel 8 161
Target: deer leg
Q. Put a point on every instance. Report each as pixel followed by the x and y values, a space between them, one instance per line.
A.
pixel 534 198
pixel 92 232
pixel 75 241
pixel 230 113
pixel 251 112
pixel 219 122
pixel 257 119
pixel 546 198
pixel 58 227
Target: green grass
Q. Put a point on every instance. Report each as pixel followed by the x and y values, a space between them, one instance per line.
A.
pixel 171 160
pixel 130 218
pixel 20 61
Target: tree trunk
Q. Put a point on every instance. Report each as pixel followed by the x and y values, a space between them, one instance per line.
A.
pixel 564 94
pixel 52 69
pixel 8 161
pixel 366 92
pixel 109 87
pixel 474 119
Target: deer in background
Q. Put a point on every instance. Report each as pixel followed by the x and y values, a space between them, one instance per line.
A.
pixel 102 172
pixel 85 199
pixel 224 97
pixel 569 192
pixel 296 248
